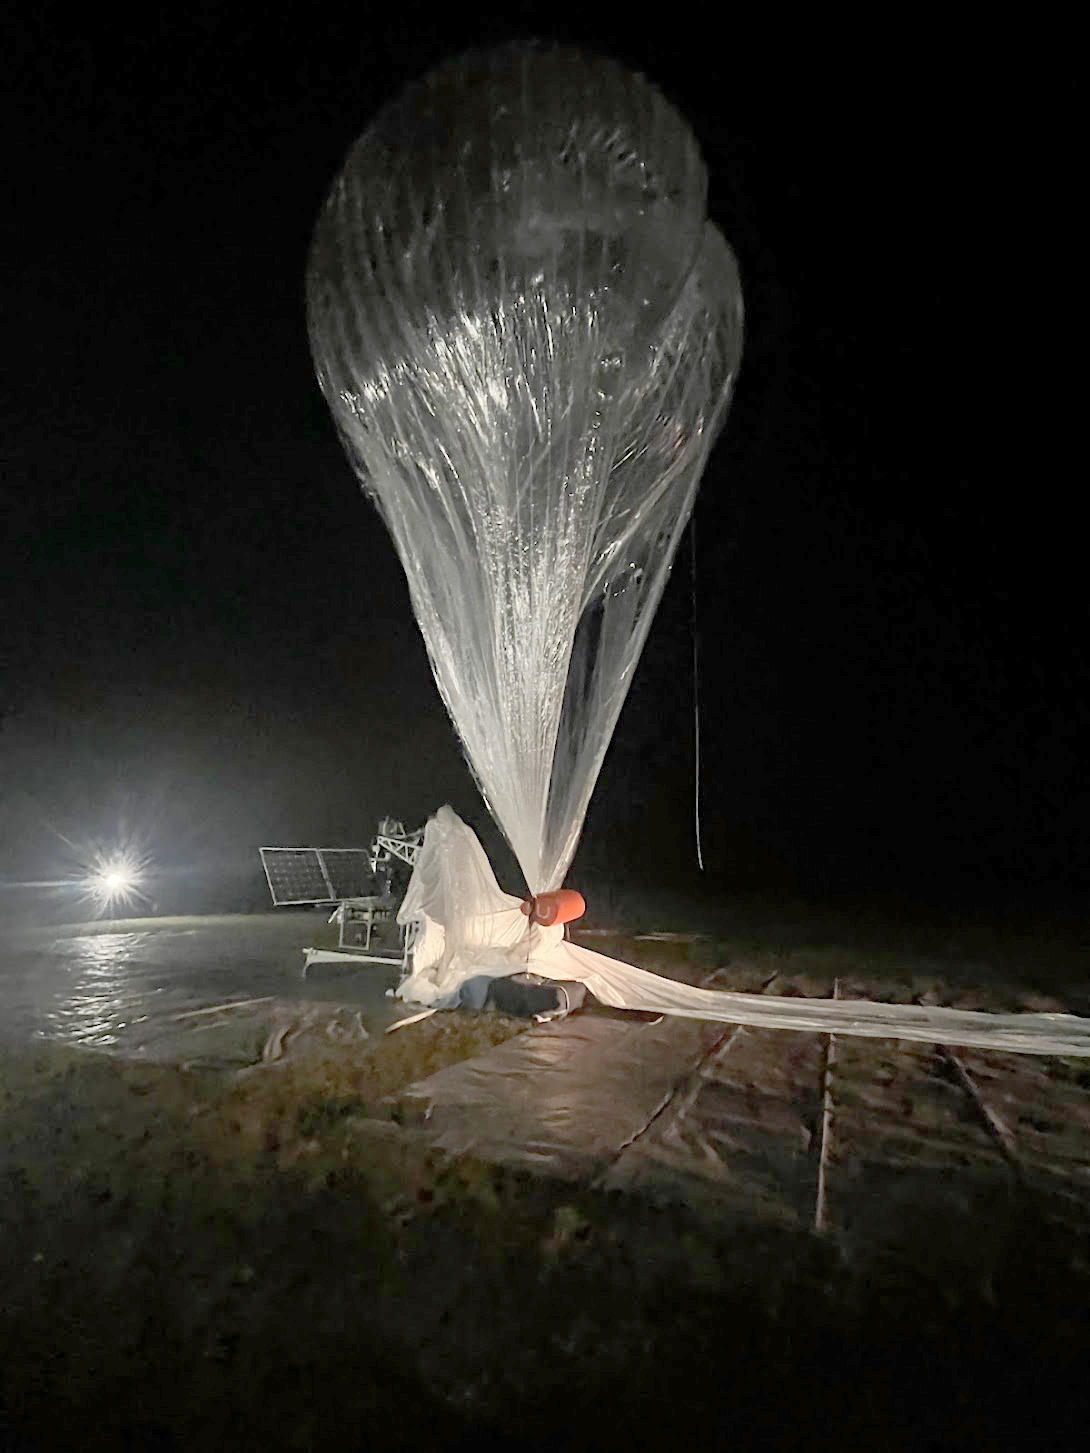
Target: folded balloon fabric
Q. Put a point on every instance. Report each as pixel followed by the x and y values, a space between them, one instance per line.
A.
pixel 468 927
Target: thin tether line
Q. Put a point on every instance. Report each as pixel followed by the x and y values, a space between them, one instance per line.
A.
pixel 696 693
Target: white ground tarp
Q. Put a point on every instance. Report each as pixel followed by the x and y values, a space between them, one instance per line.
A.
pixel 470 929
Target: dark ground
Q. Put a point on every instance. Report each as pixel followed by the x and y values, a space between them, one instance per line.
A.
pixel 272 1260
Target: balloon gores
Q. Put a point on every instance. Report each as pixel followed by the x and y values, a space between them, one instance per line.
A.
pixel 527 332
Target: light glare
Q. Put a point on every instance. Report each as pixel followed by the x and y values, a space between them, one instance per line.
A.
pixel 115 881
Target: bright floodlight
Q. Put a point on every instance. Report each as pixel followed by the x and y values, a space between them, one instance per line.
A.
pixel 114 882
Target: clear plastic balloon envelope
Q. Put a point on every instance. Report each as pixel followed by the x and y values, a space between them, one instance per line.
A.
pixel 527 332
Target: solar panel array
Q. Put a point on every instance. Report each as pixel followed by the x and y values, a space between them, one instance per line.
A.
pixel 349 871
pixel 318 875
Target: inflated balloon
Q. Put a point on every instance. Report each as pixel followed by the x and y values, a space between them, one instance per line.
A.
pixel 527 333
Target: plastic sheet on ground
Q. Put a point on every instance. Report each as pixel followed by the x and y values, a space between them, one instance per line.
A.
pixel 563 1099
pixel 745 1133
pixel 743 1127
pixel 236 1035
pixel 750 1124
pixel 469 928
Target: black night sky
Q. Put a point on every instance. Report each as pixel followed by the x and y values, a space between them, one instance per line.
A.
pixel 206 637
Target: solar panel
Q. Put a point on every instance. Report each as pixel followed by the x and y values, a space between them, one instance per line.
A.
pixel 349 870
pixel 317 875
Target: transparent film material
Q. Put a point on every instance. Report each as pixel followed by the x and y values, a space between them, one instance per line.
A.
pixel 527 333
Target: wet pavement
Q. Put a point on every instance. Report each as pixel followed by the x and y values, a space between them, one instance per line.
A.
pixel 137 987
